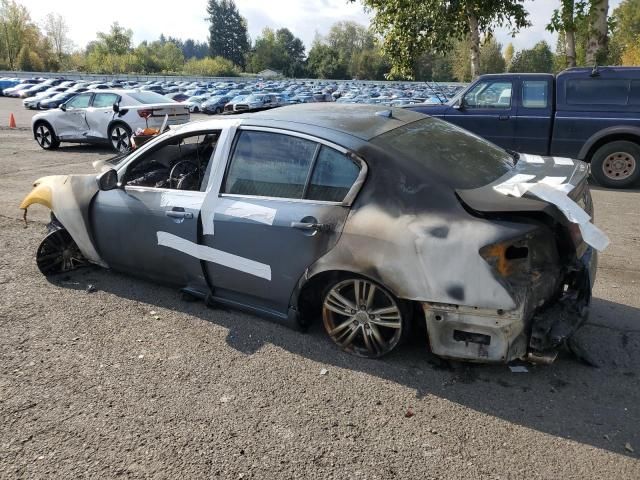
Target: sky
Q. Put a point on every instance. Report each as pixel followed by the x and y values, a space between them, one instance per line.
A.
pixel 186 18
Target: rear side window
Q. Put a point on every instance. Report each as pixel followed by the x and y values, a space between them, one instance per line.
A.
pixel 102 100
pixel 459 158
pixel 270 165
pixel 597 91
pixel 333 175
pixel 535 94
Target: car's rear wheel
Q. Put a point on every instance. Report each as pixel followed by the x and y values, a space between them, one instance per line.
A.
pixel 44 135
pixel 363 318
pixel 58 253
pixel 616 164
pixel 120 137
pixel 218 110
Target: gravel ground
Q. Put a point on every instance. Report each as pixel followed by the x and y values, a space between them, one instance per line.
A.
pixel 130 381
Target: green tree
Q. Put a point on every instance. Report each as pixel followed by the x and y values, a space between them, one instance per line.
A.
pixel 491 59
pixel 538 59
pixel 29 61
pixel 279 50
pixel 564 20
pixel 410 27
pixel 228 37
pixel 15 28
pixel 324 62
pixel 117 41
pixel 213 67
pixel 626 30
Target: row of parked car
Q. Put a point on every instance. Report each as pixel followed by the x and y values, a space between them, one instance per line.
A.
pixel 218 97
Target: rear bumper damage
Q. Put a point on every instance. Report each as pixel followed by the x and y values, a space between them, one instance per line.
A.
pixel 528 332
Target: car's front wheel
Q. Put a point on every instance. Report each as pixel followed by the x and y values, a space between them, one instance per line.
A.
pixel 45 136
pixel 616 164
pixel 58 253
pixel 120 137
pixel 363 318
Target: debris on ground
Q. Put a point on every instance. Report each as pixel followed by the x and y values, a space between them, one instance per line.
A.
pixel 518 369
pixel 91 288
pixel 628 447
pixel 323 371
pixel 410 413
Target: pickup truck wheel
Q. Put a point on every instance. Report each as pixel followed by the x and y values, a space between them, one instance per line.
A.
pixel 616 164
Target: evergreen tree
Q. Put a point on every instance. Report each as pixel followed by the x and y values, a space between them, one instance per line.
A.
pixel 228 37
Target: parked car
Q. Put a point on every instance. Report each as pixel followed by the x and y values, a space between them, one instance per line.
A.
pixel 258 101
pixel 231 104
pixel 195 103
pixel 56 100
pixel 105 116
pixel 33 103
pixel 374 220
pixel 15 91
pixel 214 104
pixel 584 113
pixel 6 83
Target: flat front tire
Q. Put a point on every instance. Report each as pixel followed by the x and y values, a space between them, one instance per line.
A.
pixel 616 164
pixel 363 318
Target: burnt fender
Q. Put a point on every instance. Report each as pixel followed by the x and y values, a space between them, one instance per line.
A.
pixel 69 198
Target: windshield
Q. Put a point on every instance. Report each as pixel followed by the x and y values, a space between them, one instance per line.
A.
pixel 149 97
pixel 254 98
pixel 462 159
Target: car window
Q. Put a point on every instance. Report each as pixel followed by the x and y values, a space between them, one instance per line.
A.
pixel 489 95
pixel 535 93
pixel 269 165
pixel 79 101
pixel 102 100
pixel 333 175
pixel 177 163
pixel 461 159
pixel 597 91
pixel 148 97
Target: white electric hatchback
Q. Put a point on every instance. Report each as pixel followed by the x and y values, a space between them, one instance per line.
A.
pixel 106 116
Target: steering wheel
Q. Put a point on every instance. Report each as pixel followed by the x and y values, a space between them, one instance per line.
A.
pixel 180 169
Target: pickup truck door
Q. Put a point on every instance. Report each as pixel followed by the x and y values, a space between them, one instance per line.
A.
pixel 534 119
pixel 488 109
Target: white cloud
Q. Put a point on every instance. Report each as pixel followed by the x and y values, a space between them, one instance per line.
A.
pixel 186 19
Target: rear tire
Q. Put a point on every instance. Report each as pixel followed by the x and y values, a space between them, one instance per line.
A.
pixel 45 136
pixel 616 164
pixel 120 137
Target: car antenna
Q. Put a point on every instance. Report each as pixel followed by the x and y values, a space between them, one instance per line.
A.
pixel 435 88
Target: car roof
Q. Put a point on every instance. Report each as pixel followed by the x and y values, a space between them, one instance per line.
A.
pixel 362 121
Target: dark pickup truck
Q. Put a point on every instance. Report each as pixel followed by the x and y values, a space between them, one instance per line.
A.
pixel 584 113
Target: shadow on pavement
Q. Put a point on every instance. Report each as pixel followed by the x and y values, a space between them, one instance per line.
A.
pixel 594 406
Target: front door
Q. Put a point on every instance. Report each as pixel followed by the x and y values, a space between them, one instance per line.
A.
pixel 72 123
pixel 535 115
pixel 488 109
pixel 281 206
pixel 161 198
pixel 100 114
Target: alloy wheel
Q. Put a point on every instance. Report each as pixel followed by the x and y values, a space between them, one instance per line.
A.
pixel 44 136
pixel 619 165
pixel 362 318
pixel 120 139
pixel 58 253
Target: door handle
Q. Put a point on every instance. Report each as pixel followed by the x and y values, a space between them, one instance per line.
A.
pixel 503 117
pixel 323 227
pixel 176 214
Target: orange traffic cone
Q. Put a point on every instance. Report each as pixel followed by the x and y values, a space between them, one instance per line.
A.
pixel 12 121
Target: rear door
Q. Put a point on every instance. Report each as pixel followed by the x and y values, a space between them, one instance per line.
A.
pixel 100 114
pixel 71 124
pixel 535 115
pixel 489 110
pixel 281 206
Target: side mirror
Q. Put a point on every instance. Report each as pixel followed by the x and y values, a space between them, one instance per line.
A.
pixel 107 180
pixel 459 105
pixel 116 108
pixel 63 107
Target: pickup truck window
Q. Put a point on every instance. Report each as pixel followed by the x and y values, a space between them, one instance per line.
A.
pixel 535 93
pixel 597 91
pixel 489 94
pixel 634 94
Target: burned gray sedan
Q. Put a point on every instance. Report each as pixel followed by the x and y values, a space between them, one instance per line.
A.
pixel 372 220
